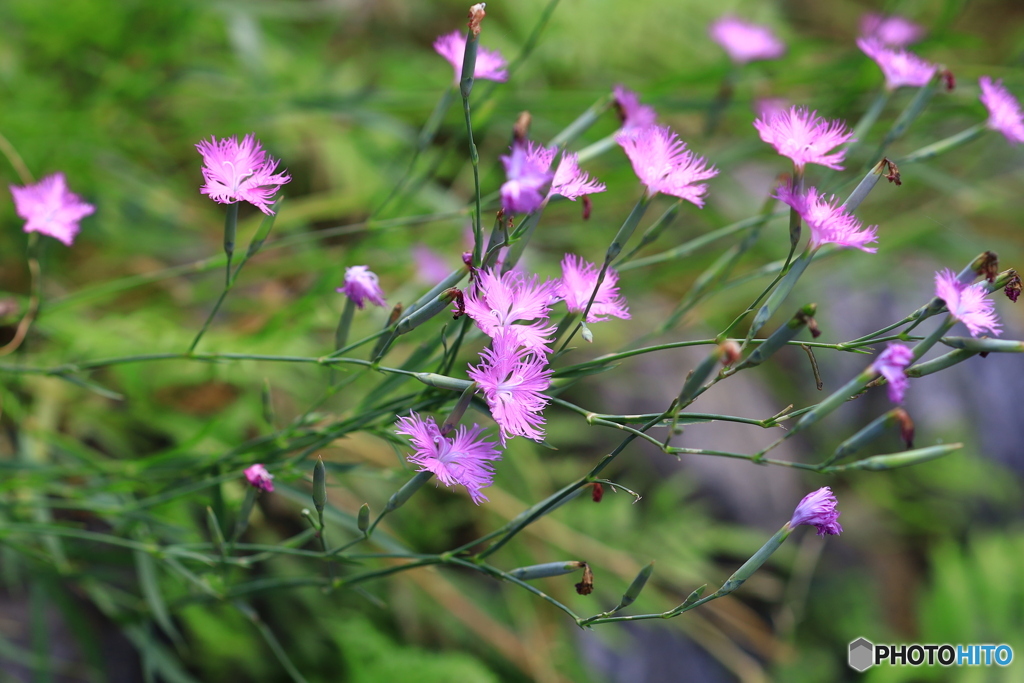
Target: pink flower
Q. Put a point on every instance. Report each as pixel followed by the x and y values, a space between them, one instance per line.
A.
pixel 1004 114
pixel 663 164
pixel 51 208
pixel 745 42
pixel 895 31
pixel 829 222
pixel 769 106
pixel 569 181
pixel 490 65
pixel 900 67
pixel 579 278
pixel 240 172
pixel 361 284
pixel 818 509
pixel 512 379
pixel 259 477
pixel 528 181
pixel 464 458
pixel 633 114
pixel 498 302
pixel 804 137
pixel 892 364
pixel 967 303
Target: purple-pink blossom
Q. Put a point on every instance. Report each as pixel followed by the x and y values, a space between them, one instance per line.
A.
pixel 361 284
pixel 745 42
pixel 240 172
pixel 805 137
pixel 528 180
pixel 569 181
pixel 892 365
pixel 512 379
pixel 633 115
pixel 967 303
pixel 893 30
pixel 500 301
pixel 259 478
pixel 828 221
pixel 819 510
pixel 50 208
pixel 579 278
pixel 464 458
pixel 900 67
pixel 1004 113
pixel 663 164
pixel 490 65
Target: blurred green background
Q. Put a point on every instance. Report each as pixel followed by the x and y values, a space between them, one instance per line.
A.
pixel 116 94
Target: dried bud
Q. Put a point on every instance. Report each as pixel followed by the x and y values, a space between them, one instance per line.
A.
pixel 806 316
pixel 586 586
pixel 459 299
pixel 986 264
pixel 396 313
pixel 730 352
pixel 476 15
pixel 587 206
pixel 892 172
pixel 949 79
pixel 906 426
pixel 1012 289
pixel 521 129
pixel 598 493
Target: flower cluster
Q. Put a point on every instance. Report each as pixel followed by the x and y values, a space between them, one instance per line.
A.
pixel 664 165
pixel 50 208
pixel 490 65
pixel 967 303
pixel 829 222
pixel 804 137
pixel 240 172
pixel 745 42
pixel 464 458
pixel 900 67
pixel 894 31
pixel 892 365
pixel 818 509
pixel 1004 113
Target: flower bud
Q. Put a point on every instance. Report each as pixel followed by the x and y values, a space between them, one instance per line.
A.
pixel 633 592
pixel 1013 287
pixel 598 493
pixel 549 569
pixel 363 518
pixel 476 15
pixel 319 485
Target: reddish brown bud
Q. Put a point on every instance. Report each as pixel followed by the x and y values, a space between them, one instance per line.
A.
pixel 812 324
pixel 949 79
pixel 586 586
pixel 906 426
pixel 521 129
pixel 587 206
pixel 598 493
pixel 1012 289
pixel 476 15
pixel 730 352
pixel 395 313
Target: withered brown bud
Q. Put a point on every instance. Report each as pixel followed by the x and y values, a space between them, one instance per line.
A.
pixel 949 79
pixel 587 206
pixel 892 172
pixel 1012 289
pixel 459 299
pixel 586 586
pixel 987 264
pixel 598 493
pixel 476 15
pixel 906 426
pixel 730 352
pixel 812 324
pixel 521 129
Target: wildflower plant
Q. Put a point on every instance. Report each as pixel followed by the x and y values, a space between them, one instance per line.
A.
pixel 464 374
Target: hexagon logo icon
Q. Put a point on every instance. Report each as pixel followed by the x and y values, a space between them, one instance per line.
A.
pixel 862 655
